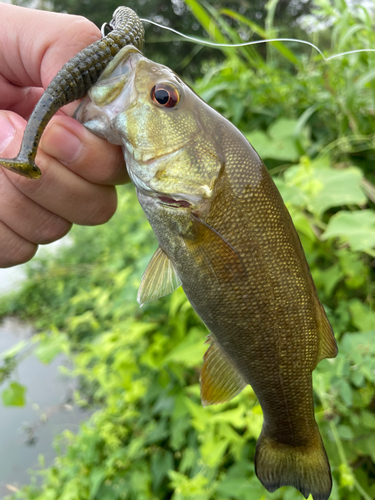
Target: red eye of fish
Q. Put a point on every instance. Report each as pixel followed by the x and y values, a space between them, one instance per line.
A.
pixel 165 95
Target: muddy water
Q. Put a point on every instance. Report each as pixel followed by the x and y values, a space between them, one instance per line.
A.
pixel 27 432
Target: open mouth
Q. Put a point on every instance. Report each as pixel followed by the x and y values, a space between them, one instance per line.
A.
pixel 174 203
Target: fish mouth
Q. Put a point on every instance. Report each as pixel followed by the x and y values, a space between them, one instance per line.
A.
pixel 171 202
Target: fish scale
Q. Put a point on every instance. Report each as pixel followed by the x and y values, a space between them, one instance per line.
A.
pixel 227 237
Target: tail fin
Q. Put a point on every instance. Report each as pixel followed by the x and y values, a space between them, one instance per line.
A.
pixel 306 468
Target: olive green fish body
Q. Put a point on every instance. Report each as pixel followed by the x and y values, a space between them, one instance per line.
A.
pixel 256 321
pixel 72 82
pixel 226 236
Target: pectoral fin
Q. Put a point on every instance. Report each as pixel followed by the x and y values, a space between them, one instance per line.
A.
pixel 159 278
pixel 327 341
pixel 214 253
pixel 220 380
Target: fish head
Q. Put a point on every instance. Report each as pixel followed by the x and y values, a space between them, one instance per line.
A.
pixel 167 132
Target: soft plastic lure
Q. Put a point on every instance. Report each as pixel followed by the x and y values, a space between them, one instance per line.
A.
pixel 72 82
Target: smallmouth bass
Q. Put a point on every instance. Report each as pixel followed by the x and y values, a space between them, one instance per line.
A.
pixel 226 236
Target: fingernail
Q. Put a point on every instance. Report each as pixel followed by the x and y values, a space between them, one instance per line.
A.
pixel 62 144
pixel 7 131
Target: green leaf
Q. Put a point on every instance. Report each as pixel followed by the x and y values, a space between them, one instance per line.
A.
pixel 281 140
pixel 195 487
pixel 345 432
pixel 362 317
pixel 368 419
pixel 14 395
pixel 240 488
pixel 204 18
pixel 354 268
pixel 97 477
pixel 291 194
pixel 50 346
pixel 282 128
pixel 345 392
pixel 288 54
pixel 326 187
pixel 328 278
pixel 337 187
pixel 357 228
pixel 358 378
pixel 161 464
pixel 360 343
pixel 190 351
pixel 213 450
pixel 284 148
pixel 14 350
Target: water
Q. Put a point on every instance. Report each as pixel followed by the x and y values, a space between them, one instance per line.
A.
pixel 48 393
pixel 11 279
pixel 24 434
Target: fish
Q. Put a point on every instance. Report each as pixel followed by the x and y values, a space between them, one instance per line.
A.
pixel 72 82
pixel 227 238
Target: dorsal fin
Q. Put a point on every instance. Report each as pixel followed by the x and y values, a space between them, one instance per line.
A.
pixel 159 278
pixel 220 380
pixel 327 341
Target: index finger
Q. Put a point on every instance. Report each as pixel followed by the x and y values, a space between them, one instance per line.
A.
pixel 36 44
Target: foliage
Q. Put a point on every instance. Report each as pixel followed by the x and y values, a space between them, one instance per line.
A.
pixel 171 49
pixel 150 438
pixel 332 102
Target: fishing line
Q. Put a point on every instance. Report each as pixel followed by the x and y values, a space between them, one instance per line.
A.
pixel 256 42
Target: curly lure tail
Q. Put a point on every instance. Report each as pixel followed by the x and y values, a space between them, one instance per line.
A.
pixel 73 82
pixel 304 467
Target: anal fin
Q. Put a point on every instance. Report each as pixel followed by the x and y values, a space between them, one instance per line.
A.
pixel 220 380
pixel 159 278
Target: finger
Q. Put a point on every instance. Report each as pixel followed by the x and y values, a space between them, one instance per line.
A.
pixel 14 249
pixel 26 218
pixel 20 100
pixel 36 44
pixel 60 190
pixel 82 152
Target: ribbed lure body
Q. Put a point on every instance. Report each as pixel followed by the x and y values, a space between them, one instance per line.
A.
pixel 72 82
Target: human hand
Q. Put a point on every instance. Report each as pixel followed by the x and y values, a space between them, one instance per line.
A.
pixel 79 170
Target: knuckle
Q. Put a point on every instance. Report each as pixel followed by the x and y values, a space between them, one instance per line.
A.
pixel 24 252
pixel 75 34
pixel 82 32
pixel 17 250
pixel 37 188
pixel 51 229
pixel 31 187
pixel 114 167
pixel 104 208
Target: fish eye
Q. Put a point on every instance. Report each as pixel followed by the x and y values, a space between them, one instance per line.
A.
pixel 165 95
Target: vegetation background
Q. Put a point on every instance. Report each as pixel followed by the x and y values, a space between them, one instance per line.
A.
pixel 313 123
